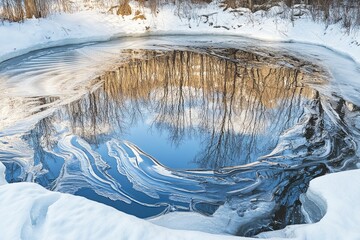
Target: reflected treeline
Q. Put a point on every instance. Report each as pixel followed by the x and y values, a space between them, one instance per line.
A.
pixel 244 107
pixel 237 103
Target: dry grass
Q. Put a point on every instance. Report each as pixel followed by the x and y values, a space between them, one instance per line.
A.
pixel 346 12
pixel 124 8
pixel 18 10
pixel 139 16
pixel 12 10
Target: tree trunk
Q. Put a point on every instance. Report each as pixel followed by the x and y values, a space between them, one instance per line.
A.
pixel 251 4
pixel 30 8
pixel 289 3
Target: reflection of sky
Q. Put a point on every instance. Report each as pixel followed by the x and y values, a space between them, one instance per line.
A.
pixel 252 132
pixel 183 153
pixel 101 183
pixel 136 208
pixel 132 208
pixel 158 145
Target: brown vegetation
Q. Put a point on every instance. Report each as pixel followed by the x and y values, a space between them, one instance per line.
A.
pixel 17 10
pixel 139 16
pixel 124 8
pixel 347 12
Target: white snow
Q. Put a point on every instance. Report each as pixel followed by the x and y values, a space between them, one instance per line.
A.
pixel 2 174
pixel 224 220
pixel 338 194
pixel 28 211
pixel 94 25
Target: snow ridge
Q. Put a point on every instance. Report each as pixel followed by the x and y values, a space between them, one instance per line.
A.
pixel 92 25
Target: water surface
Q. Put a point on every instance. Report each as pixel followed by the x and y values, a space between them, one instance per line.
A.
pixel 228 130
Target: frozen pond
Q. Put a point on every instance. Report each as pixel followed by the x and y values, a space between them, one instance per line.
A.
pixel 233 130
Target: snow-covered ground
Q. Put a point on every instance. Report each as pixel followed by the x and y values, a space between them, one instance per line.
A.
pixel 95 25
pixel 336 194
pixel 28 211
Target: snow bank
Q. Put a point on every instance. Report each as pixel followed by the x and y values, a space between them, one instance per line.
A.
pixel 28 211
pixel 331 198
pixel 85 26
pixel 339 195
pixel 2 174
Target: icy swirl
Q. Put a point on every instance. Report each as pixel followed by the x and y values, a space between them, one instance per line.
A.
pixel 225 137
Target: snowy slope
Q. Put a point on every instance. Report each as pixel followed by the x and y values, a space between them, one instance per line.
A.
pixel 338 194
pixel 26 209
pixel 94 25
pixel 2 174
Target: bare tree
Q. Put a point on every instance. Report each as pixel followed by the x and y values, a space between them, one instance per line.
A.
pixel 18 10
pixel 31 9
pixel 346 12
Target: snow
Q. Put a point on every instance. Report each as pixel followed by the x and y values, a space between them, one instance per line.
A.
pixel 28 211
pixel 338 194
pixel 2 174
pixel 94 25
pixel 223 221
pixel 332 195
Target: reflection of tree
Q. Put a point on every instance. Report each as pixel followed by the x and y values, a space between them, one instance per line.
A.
pixel 42 128
pixel 231 98
pixel 40 139
pixel 237 102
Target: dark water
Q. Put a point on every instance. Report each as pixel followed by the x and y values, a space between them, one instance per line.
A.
pixel 192 130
